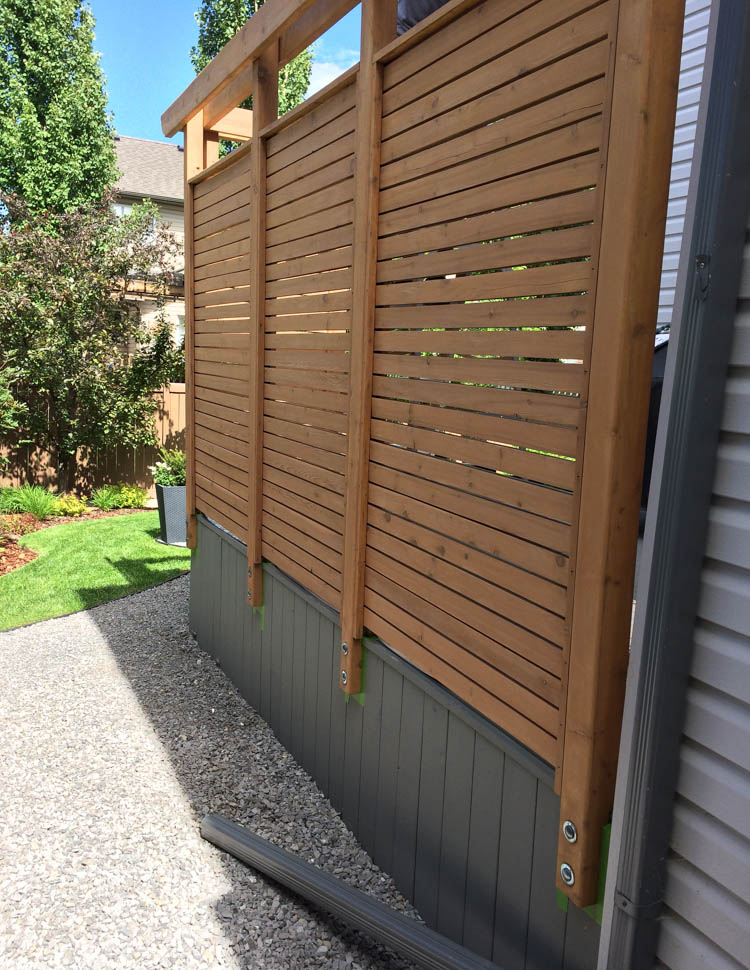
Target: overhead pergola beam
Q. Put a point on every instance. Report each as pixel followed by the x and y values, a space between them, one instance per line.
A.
pixel 227 80
pixel 236 124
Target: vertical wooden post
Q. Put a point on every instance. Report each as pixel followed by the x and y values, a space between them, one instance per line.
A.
pixel 647 59
pixel 265 78
pixel 194 162
pixel 210 148
pixel 378 29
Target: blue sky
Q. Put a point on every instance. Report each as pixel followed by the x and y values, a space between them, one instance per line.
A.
pixel 145 48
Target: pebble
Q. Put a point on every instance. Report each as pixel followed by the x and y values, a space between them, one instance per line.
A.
pixel 112 751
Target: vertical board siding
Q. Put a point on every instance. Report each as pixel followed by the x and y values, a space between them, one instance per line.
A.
pixel 492 129
pixel 706 918
pixel 309 233
pixel 694 40
pixel 221 248
pixel 464 823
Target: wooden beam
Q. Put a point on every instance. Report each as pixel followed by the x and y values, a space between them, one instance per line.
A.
pixel 194 163
pixel 647 60
pixel 236 125
pixel 265 109
pixel 378 29
pixel 301 33
pixel 307 28
pixel 261 31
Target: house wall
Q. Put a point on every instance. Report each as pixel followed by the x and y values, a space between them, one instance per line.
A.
pixel 463 817
pixel 706 917
pixel 694 40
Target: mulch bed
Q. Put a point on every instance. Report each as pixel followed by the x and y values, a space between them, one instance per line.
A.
pixel 13 555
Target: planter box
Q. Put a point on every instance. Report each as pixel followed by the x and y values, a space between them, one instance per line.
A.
pixel 172 503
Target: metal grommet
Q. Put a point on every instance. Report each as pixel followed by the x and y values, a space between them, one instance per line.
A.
pixel 569 831
pixel 345 648
pixel 567 874
pixel 343 677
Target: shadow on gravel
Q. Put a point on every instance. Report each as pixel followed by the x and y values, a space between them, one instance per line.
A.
pixel 227 760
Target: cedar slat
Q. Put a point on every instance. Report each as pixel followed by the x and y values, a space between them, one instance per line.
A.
pixel 305 507
pixel 565 176
pixel 534 248
pixel 542 150
pixel 552 213
pixel 545 32
pixel 324 459
pixel 500 343
pixel 305 265
pixel 557 472
pixel 316 282
pixel 544 375
pixel 558 441
pixel 311 204
pixel 504 574
pixel 292 482
pixel 494 612
pixel 328 166
pixel 324 440
pixel 306 578
pixel 428 143
pixel 496 500
pixel 275 534
pixel 410 646
pixel 336 129
pixel 220 267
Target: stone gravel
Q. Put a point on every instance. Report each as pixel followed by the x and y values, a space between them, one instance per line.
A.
pixel 117 735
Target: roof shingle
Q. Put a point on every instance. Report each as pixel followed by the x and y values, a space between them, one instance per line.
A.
pixel 150 169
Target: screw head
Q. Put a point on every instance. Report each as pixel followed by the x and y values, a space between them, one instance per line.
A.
pixel 570 831
pixel 567 874
pixel 345 648
pixel 344 678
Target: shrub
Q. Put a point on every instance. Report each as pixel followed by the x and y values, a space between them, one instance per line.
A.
pixel 14 525
pixel 170 468
pixel 70 505
pixel 34 499
pixel 109 497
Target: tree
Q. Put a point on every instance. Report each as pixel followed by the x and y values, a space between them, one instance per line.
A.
pixel 219 21
pixel 56 136
pixel 85 365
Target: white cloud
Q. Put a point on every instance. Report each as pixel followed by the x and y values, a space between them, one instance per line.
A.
pixel 327 68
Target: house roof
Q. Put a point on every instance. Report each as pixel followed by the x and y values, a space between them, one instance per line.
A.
pixel 150 169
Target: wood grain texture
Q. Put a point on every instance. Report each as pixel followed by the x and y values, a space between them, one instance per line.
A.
pixel 644 95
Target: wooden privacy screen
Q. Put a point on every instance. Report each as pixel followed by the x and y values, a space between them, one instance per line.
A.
pixel 221 311
pixel 484 372
pixel 309 237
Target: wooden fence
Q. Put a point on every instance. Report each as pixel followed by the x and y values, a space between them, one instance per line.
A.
pixel 419 383
pixel 130 465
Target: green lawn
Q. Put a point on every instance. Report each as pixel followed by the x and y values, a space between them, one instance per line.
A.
pixel 85 563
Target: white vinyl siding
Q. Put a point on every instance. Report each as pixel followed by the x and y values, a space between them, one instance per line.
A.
pixel 706 917
pixel 694 40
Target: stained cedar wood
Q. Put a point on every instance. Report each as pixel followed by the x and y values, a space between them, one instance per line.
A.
pixel 635 201
pixel 265 78
pixel 492 117
pixel 193 162
pixel 466 171
pixel 305 370
pixel 379 21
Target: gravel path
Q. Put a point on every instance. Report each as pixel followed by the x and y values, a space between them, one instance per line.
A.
pixel 117 735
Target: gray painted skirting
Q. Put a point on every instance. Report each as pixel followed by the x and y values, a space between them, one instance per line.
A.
pixel 463 817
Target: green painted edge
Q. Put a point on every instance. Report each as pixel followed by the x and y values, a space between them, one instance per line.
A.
pixel 360 697
pixel 596 909
pixel 261 611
